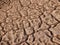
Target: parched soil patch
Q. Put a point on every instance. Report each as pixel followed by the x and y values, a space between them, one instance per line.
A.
pixel 29 22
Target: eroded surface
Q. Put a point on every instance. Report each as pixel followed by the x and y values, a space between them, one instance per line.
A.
pixel 29 22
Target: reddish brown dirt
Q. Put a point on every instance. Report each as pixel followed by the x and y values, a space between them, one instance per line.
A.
pixel 29 22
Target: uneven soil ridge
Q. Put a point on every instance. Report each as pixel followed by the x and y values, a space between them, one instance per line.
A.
pixel 29 22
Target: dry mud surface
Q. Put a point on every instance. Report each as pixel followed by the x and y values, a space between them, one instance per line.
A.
pixel 29 22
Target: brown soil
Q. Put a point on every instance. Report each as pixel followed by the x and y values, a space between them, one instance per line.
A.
pixel 29 22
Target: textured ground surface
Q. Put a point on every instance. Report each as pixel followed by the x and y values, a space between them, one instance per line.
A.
pixel 29 22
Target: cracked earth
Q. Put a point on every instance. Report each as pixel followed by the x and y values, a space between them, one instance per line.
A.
pixel 29 22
